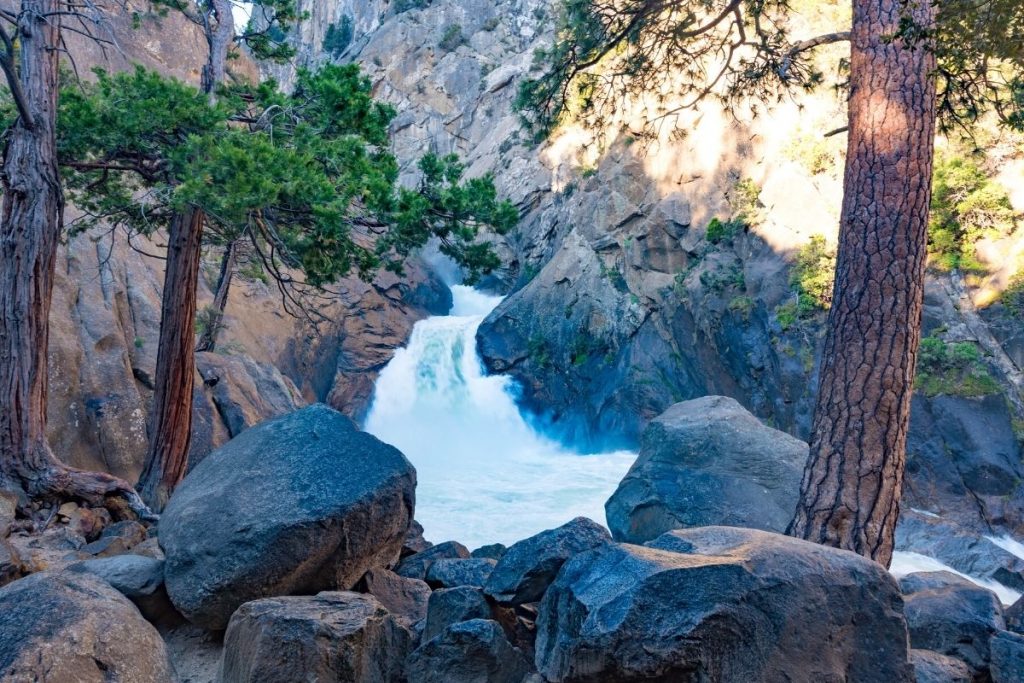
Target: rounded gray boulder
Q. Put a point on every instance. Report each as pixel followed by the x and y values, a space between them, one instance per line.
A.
pixel 299 504
pixel 708 462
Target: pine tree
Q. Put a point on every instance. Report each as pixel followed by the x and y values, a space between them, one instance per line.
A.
pixel 912 64
pixel 305 179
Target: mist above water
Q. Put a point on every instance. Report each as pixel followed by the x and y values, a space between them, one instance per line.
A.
pixel 485 474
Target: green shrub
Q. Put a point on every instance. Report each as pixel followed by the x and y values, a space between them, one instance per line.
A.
pixel 967 204
pixel 954 369
pixel 1013 297
pixel 787 314
pixel 812 276
pixel 452 38
pixel 339 37
pixel 742 305
pixel 723 231
pixel 406 5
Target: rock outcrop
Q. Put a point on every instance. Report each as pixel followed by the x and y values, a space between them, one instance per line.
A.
pixel 57 627
pixel 468 652
pixel 302 503
pixel 720 603
pixel 327 637
pixel 708 462
pixel 931 667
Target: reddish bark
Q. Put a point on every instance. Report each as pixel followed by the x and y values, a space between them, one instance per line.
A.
pixel 850 493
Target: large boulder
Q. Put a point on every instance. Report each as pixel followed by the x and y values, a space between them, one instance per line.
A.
pixel 417 565
pixel 1007 657
pixel 63 627
pixel 527 568
pixel 404 598
pixel 722 604
pixel 950 615
pixel 449 573
pixel 138 578
pixel 708 462
pixel 475 651
pixel 299 504
pixel 334 636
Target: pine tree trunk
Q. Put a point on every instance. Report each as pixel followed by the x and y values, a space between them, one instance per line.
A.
pixel 30 228
pixel 219 36
pixel 850 494
pixel 171 420
pixel 208 340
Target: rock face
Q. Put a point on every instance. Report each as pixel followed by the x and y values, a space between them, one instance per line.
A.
pixel 952 616
pixel 345 637
pixel 57 627
pixel 138 578
pixel 452 606
pixel 405 598
pixel 475 651
pixel 298 504
pixel 708 462
pixel 1007 657
pixel 528 567
pixel 726 604
pixel 417 565
pixel 449 573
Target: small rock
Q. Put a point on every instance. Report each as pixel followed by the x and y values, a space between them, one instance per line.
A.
pixel 473 651
pixel 452 606
pixel 1007 657
pixel 333 636
pixel 11 566
pixel 931 667
pixel 449 573
pixel 405 598
pixel 493 551
pixel 67 509
pixel 950 615
pixel 1014 615
pixel 138 578
pixel 416 566
pixel 8 510
pixel 106 547
pixel 72 626
pixel 528 567
pixel 131 532
pixel 90 522
pixel 414 541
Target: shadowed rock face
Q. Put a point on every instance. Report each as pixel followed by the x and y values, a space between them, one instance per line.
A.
pixel 75 627
pixel 720 603
pixel 327 637
pixel 704 462
pixel 298 504
pixel 468 652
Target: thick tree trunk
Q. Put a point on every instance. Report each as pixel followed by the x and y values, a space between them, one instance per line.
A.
pixel 219 36
pixel 30 228
pixel 850 494
pixel 171 420
pixel 208 339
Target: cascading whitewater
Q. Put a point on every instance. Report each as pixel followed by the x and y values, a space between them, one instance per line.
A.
pixel 485 474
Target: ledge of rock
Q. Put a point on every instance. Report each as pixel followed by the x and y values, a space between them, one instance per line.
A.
pixel 299 504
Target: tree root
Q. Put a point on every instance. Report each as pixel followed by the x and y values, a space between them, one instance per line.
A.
pixel 59 482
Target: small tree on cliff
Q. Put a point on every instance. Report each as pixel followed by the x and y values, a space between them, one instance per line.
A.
pixel 305 179
pixel 30 230
pixel 907 63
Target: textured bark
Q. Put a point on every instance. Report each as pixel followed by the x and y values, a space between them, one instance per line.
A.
pixel 219 35
pixel 208 339
pixel 30 228
pixel 171 420
pixel 850 494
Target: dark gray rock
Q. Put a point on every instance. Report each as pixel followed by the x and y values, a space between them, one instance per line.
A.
pixel 449 573
pixel 416 566
pixel 707 462
pixel 404 598
pixel 452 606
pixel 138 578
pixel 528 567
pixel 722 604
pixel 57 627
pixel 1007 657
pixel 414 541
pixel 475 651
pixel 931 667
pixel 952 616
pixel 294 505
pixel 493 551
pixel 1014 615
pixel 333 636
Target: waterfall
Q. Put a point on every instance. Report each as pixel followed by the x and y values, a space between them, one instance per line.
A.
pixel 485 474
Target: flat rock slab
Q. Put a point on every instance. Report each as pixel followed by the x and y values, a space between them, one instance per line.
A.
pixel 299 504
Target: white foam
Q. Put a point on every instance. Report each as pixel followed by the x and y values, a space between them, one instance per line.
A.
pixel 1008 544
pixel 484 474
pixel 904 563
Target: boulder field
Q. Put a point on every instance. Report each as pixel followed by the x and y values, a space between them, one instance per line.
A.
pixel 290 554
